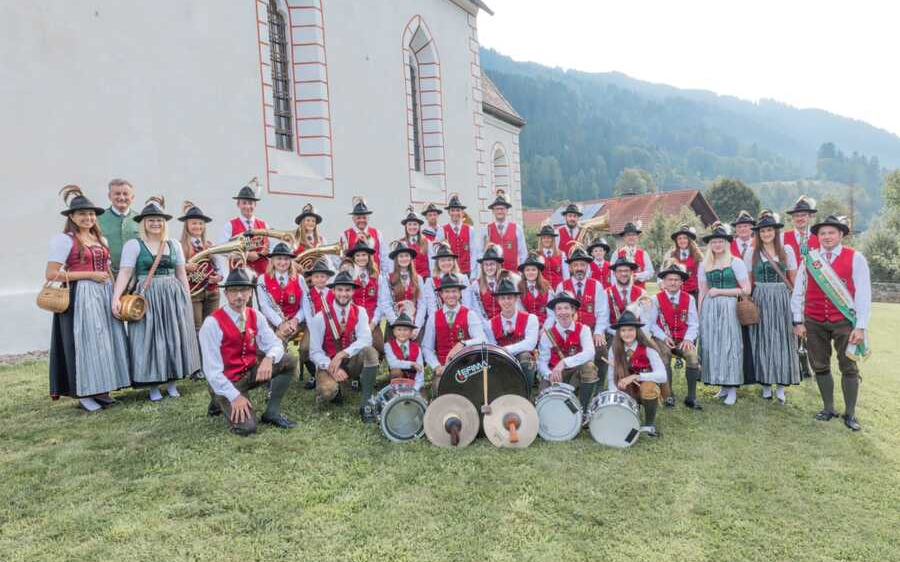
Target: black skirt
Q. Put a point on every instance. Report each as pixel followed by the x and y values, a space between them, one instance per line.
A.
pixel 62 350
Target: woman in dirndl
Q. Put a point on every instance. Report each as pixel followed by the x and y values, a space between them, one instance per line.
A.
pixel 88 347
pixel 402 290
pixel 772 341
pixel 555 269
pixel 163 344
pixel 688 255
pixel 722 279
pixel 204 276
pixel 534 287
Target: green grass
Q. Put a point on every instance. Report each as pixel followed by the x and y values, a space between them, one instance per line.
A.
pixel 163 482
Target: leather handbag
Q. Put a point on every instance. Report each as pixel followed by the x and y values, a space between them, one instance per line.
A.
pixel 55 298
pixel 747 311
pixel 133 307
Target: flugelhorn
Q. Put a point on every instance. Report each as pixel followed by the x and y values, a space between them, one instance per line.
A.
pixel 199 279
pixel 307 258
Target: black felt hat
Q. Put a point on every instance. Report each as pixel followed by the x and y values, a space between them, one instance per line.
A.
pixel 443 251
pixel 563 297
pixel 492 253
pixel 308 211
pixel 500 200
pixel 768 220
pixel 320 266
pixel 360 207
pixel 579 254
pixel 451 281
pixel 412 216
pixel 343 278
pixel 506 287
pixel 627 319
pixel 803 205
pixel 631 228
pixel 536 260
pixel 192 211
pixel 573 208
pixel 599 242
pixel 360 246
pixel 247 193
pixel 403 321
pixel 688 231
pixel 281 249
pixel 401 247
pixel 547 230
pixel 718 231
pixel 432 208
pixel 744 218
pixel 238 277
pixel 674 268
pixel 76 201
pixel 623 261
pixel 155 207
pixel 454 203
pixel 838 222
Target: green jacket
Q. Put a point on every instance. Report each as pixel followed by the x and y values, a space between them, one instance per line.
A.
pixel 117 229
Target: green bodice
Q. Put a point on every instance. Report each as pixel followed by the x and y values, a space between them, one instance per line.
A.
pixel 145 261
pixel 764 272
pixel 721 279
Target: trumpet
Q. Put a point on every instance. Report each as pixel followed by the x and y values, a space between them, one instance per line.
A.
pixel 307 258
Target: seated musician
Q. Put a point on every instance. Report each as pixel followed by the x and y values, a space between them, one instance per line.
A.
pixel 241 352
pixel 445 262
pixel 480 294
pixel 317 292
pixel 635 367
pixel 623 292
pixel 534 288
pixel 451 328
pixel 279 293
pixel 566 349
pixel 340 345
pixel 403 354
pixel 593 305
pixel 514 330
pixel 674 324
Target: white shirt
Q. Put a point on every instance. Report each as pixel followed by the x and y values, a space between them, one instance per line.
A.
pixel 737 265
pixel 211 351
pixel 432 298
pixel 862 299
pixel 657 374
pixel 60 248
pixel 545 348
pixel 745 247
pixel 132 249
pixel 317 328
pixel 652 316
pixel 395 362
pixel 521 245
pixel 437 231
pixel 528 343
pixel 601 306
pixel 647 273
pixel 309 309
pixel 474 247
pixel 386 302
pixel 476 334
pixel 267 304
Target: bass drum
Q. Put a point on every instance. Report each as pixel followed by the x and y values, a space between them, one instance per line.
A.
pixel 463 374
pixel 400 411
pixel 559 412
pixel 615 419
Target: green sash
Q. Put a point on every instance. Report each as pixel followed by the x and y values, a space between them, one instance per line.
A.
pixel 827 280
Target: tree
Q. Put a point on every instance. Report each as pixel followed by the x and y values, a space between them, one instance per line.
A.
pixel 657 236
pixel 881 243
pixel 634 181
pixel 729 197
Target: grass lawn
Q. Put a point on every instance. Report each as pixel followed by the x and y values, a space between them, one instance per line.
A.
pixel 148 481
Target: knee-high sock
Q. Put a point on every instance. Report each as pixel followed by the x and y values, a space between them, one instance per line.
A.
pixel 528 369
pixel 826 389
pixel 692 375
pixel 367 381
pixel 649 411
pixel 311 368
pixel 279 386
pixel 850 386
pixel 585 393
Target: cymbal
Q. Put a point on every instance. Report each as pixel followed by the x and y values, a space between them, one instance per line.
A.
pixel 448 413
pixel 513 422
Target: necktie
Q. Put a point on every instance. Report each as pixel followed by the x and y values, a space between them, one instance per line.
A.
pixel 282 281
pixel 343 316
pixel 364 278
pixel 578 290
pixel 828 256
pixel 491 284
pixel 404 349
pixel 674 300
pixel 509 326
pixel 684 254
pixel 456 229
pixel 241 323
pixel 624 296
pixel 532 290
pixel 451 316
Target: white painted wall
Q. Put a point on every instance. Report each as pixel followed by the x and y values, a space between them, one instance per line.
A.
pixel 167 94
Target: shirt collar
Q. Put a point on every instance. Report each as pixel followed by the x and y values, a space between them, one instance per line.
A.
pixel 233 314
pixel 835 252
pixel 675 295
pixel 447 308
pixel 560 328
pixel 117 213
pixel 631 346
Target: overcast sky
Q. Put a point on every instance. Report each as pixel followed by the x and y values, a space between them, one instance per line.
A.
pixel 837 56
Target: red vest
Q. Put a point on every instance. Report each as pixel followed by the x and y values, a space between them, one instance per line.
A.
pixel 638 259
pixel 401 293
pixel 566 241
pixel 588 296
pixel 367 296
pixel 347 335
pixel 736 252
pixel 676 319
pixel 601 273
pixel 489 302
pixel 518 333
pixel 616 306
pixel 413 349
pixel 690 284
pixel 238 350
pixel 553 271
pixel 569 346
pixel 351 234
pixel 509 242
pixel 421 261
pixel 91 258
pixel 818 306
pixel 640 361
pixel 459 245
pixel 317 300
pixel 237 227
pixel 790 239
pixel 288 299
pixel 445 336
pixel 535 305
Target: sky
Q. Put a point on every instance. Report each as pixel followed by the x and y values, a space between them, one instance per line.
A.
pixel 836 56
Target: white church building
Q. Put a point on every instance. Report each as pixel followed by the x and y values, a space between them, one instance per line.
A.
pixel 320 100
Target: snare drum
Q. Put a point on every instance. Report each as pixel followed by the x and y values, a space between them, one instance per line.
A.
pixel 463 374
pixel 559 412
pixel 400 411
pixel 615 419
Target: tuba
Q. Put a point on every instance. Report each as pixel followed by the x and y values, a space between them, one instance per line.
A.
pixel 594 227
pixel 308 257
pixel 257 234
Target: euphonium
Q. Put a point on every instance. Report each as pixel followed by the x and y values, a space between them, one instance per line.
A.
pixel 307 258
pixel 284 235
pixel 594 227
pixel 199 279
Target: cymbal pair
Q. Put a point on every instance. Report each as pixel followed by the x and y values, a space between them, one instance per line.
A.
pixel 452 421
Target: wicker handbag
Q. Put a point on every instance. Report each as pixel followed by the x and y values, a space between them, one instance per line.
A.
pixel 55 298
pixel 747 311
pixel 133 307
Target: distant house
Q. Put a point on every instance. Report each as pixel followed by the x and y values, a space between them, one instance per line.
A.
pixel 630 208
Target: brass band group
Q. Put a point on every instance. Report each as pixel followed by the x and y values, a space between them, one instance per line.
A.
pixel 568 323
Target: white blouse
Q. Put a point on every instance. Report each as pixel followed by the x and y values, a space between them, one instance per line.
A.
pixel 132 249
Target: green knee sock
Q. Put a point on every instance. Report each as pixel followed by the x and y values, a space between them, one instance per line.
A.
pixel 850 386
pixel 585 393
pixel 367 381
pixel 529 376
pixel 649 411
pixel 279 386
pixel 692 375
pixel 826 389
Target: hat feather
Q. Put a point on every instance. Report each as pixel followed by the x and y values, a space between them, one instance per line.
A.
pixel 70 192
